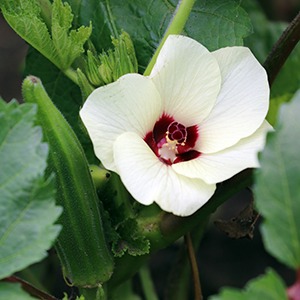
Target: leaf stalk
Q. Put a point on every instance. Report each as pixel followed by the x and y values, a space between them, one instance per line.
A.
pixel 176 26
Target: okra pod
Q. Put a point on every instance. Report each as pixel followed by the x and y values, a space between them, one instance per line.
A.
pixel 81 246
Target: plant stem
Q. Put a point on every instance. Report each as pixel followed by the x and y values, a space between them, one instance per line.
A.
pixel 72 75
pixel 178 285
pixel 282 49
pixel 176 26
pixel 194 267
pixel 147 284
pixel 161 228
pixel 114 29
pixel 30 289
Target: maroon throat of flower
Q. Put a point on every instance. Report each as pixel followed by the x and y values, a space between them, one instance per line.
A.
pixel 171 141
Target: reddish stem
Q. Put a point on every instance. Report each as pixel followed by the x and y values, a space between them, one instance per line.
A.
pixel 30 289
pixel 282 49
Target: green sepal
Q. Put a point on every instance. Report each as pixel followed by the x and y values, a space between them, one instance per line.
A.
pixel 130 240
pixel 81 246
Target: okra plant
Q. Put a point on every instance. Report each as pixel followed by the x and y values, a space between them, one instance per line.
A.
pixel 140 119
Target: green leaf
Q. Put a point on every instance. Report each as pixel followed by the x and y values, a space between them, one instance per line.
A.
pixel 277 187
pixel 68 44
pixel 27 206
pixel 288 79
pixel 219 23
pixel 275 105
pixel 267 287
pixel 216 24
pixel 13 291
pixel 63 46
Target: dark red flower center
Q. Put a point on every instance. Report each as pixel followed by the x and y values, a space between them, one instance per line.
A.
pixel 176 132
pixel 171 141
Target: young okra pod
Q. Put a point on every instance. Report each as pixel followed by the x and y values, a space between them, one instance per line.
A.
pixel 81 245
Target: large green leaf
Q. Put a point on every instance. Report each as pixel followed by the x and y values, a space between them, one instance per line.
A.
pixel 27 208
pixel 13 291
pixel 266 287
pixel 277 188
pixel 216 23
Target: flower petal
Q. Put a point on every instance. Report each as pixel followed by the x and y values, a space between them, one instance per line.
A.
pixel 188 79
pixel 217 167
pixel 132 103
pixel 150 180
pixel 242 103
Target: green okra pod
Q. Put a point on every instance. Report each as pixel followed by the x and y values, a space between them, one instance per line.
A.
pixel 81 245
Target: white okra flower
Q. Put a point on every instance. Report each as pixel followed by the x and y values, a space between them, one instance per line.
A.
pixel 197 120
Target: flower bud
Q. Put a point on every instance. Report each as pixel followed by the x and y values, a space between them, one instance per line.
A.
pixel 93 74
pixel 110 65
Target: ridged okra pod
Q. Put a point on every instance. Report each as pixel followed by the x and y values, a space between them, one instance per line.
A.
pixel 81 245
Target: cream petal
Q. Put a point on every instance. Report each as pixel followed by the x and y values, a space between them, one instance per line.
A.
pixel 132 103
pixel 188 79
pixel 242 103
pixel 149 180
pixel 217 167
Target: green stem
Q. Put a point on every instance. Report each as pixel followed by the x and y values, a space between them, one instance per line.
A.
pixel 111 20
pixel 71 74
pixel 179 282
pixel 147 284
pixel 84 85
pixel 176 26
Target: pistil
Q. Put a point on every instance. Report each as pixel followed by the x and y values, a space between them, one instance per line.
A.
pixel 171 141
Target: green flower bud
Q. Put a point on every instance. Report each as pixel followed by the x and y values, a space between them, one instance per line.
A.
pixel 127 54
pixel 107 66
pixel 100 177
pixel 111 65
